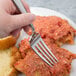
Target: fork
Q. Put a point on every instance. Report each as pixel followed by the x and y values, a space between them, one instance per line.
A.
pixel 36 42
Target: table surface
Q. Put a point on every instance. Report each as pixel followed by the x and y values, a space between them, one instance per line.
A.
pixel 67 7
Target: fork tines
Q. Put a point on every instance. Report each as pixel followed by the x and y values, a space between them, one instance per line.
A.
pixel 42 50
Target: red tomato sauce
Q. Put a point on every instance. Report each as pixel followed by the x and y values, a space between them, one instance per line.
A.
pixel 50 28
pixel 33 65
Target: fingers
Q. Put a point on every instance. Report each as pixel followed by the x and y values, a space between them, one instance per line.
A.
pixel 16 32
pixel 26 28
pixel 18 21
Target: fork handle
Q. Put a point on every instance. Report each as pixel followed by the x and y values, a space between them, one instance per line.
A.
pixel 21 8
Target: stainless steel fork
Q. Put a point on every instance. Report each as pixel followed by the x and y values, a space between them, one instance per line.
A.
pixel 36 41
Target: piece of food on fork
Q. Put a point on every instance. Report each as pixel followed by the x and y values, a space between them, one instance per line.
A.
pixel 33 65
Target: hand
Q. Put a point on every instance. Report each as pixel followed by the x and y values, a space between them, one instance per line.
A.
pixel 11 21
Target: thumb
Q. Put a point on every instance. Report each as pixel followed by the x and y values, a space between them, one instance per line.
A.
pixel 21 20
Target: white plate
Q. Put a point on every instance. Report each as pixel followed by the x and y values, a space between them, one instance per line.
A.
pixel 47 12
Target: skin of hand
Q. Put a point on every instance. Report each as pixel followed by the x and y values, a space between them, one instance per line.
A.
pixel 11 20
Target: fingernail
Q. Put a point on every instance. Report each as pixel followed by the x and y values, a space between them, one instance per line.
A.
pixel 32 17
